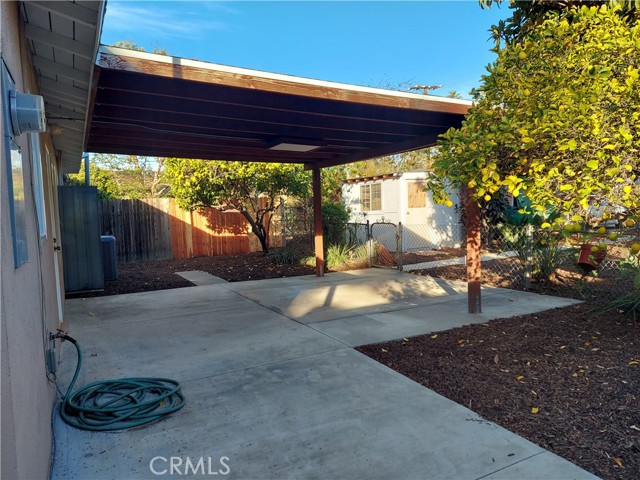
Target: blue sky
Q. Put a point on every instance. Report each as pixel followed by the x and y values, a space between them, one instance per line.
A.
pixel 372 43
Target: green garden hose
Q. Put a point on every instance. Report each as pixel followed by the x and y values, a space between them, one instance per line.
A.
pixel 118 404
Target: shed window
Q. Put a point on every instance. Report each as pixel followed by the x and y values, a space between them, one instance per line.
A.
pixel 371 197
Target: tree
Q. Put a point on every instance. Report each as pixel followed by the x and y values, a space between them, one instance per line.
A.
pixel 124 176
pixel 135 176
pixel 131 45
pixel 527 15
pixel 556 119
pixel 98 177
pixel 254 189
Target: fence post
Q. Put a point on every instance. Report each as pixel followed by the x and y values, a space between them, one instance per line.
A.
pixel 400 247
pixel 370 244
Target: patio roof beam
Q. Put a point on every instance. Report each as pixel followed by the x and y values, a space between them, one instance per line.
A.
pixel 161 117
pixel 389 149
pixel 161 91
pixel 258 115
pixel 197 71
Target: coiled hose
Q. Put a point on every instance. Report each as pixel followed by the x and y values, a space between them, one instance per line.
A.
pixel 118 404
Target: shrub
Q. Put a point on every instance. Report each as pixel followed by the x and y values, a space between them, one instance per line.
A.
pixel 286 255
pixel 338 255
pixel 309 260
pixel 629 302
pixel 334 220
pixel 343 257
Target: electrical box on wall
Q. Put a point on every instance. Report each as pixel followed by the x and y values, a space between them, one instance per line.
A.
pixel 27 113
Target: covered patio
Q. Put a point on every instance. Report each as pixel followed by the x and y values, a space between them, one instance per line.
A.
pixel 158 105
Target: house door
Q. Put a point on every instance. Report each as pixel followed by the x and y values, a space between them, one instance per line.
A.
pixel 55 231
pixel 417 211
pixel 419 219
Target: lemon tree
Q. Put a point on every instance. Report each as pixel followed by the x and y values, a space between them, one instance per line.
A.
pixel 238 185
pixel 526 15
pixel 557 118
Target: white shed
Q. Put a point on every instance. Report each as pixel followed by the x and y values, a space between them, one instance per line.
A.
pixel 402 198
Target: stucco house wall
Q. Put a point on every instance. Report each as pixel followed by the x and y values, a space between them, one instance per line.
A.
pixel 29 300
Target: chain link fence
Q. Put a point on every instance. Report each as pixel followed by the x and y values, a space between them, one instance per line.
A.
pixel 523 258
pixel 299 235
pixel 583 265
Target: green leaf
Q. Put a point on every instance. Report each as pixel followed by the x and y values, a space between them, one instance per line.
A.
pixel 592 164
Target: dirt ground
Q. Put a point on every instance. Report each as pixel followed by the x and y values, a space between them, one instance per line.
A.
pixel 567 379
pixel 160 274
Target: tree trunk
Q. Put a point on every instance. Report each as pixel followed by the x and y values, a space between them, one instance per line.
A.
pixel 258 230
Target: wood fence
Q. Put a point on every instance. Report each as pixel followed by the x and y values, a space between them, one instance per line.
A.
pixel 158 229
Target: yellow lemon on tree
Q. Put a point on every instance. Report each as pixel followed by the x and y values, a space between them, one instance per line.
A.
pixel 449 203
pixel 576 227
pixel 522 55
pixel 635 248
pixel 487 197
pixel 594 248
pixel 613 236
pixel 602 230
pixel 629 223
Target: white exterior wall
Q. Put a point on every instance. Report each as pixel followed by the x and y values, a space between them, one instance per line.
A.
pixel 29 302
pixel 391 208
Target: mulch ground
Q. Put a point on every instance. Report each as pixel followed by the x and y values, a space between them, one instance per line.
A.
pixel 160 274
pixel 566 379
pixel 432 255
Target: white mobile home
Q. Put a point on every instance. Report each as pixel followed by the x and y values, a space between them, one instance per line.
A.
pixel 403 198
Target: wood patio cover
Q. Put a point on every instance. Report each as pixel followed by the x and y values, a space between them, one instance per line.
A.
pixel 158 105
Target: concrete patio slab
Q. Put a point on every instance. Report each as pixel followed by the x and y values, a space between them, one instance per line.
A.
pixel 348 295
pixel 345 295
pixel 116 309
pixel 181 337
pixel 280 398
pixel 442 313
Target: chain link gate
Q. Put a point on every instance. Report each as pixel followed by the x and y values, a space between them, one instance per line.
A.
pixel 385 245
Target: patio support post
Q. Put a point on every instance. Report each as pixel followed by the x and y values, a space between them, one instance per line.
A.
pixel 317 221
pixel 474 269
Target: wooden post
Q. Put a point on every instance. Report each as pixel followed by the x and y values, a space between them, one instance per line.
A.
pixel 317 222
pixel 474 268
